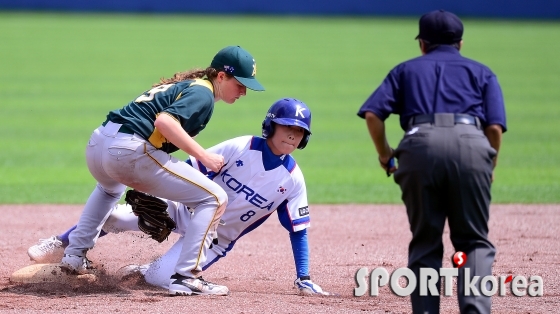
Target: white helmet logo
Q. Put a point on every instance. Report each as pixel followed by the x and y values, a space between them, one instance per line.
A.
pixel 299 111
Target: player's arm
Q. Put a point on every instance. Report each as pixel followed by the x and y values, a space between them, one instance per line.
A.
pixel 170 128
pixel 300 250
pixel 293 214
pixel 229 149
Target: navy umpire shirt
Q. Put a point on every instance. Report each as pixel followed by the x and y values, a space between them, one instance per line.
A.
pixel 441 81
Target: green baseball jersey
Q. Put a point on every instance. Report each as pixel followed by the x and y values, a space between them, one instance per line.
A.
pixel 190 102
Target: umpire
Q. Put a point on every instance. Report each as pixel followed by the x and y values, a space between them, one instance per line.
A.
pixel 452 111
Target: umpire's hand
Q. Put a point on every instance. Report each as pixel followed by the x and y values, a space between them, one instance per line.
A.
pixel 388 163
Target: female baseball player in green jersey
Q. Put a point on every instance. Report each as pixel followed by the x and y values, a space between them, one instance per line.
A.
pixel 132 148
pixel 260 177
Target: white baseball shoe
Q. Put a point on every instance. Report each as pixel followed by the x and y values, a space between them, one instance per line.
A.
pixel 48 250
pixel 76 264
pixel 182 285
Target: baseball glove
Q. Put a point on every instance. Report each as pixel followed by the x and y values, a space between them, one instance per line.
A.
pixel 153 218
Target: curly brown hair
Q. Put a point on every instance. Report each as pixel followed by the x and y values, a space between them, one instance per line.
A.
pixel 209 72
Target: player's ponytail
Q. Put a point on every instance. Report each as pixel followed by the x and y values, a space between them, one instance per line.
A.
pixel 197 73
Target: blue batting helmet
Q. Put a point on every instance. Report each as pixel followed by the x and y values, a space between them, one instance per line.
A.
pixel 288 111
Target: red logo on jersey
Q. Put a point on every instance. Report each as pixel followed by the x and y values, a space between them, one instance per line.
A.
pixel 281 189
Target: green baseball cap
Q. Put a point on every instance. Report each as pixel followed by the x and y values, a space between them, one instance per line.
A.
pixel 238 62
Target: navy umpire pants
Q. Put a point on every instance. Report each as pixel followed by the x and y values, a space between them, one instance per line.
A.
pixel 444 173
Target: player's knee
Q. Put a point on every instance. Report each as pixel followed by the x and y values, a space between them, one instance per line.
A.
pixel 221 197
pixel 116 191
pixel 216 199
pixel 220 211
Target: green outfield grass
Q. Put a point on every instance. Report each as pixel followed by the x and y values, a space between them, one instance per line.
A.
pixel 61 73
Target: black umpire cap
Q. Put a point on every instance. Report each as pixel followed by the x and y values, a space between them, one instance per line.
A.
pixel 440 27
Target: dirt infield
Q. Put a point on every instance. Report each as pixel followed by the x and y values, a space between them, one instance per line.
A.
pixel 260 270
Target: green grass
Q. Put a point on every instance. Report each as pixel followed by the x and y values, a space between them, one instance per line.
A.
pixel 61 74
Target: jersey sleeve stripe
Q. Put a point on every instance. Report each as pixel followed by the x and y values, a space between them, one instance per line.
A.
pixel 301 221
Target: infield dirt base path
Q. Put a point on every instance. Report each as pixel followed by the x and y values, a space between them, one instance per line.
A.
pixel 260 269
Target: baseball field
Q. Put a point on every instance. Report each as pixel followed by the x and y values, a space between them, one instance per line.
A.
pixel 61 74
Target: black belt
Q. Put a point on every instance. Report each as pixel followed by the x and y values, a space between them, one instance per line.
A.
pixel 122 129
pixel 458 117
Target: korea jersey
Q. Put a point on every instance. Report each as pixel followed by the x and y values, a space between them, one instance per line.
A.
pixel 257 183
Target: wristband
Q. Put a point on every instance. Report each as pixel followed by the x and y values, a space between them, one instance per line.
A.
pixel 390 163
